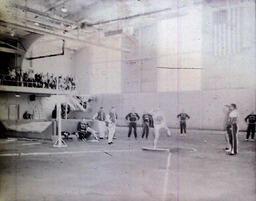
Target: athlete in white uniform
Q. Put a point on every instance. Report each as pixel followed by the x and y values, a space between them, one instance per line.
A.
pixel 100 117
pixel 111 120
pixel 159 123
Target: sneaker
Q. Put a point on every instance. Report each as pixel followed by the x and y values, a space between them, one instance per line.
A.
pixel 252 140
pixel 246 140
pixel 110 143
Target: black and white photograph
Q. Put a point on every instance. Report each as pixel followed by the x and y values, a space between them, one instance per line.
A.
pixel 127 100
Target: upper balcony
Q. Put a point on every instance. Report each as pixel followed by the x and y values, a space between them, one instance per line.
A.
pixel 54 86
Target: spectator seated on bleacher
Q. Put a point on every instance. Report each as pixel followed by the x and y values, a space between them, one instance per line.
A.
pixel 12 77
pixel 25 79
pixel 84 131
pixel 18 77
pixel 38 80
pixel 53 82
pixel 31 78
pixel 45 80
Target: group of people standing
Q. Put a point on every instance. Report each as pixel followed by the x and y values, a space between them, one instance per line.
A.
pixel 154 119
pixel 106 124
pixel 106 121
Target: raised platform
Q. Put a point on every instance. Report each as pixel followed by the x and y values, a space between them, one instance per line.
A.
pixel 38 129
pixel 32 90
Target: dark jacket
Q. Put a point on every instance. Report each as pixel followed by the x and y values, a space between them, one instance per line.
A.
pixel 183 117
pixel 147 118
pixel 132 117
pixel 251 118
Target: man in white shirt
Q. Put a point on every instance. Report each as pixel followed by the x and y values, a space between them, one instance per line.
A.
pixel 100 117
pixel 233 127
pixel 111 119
pixel 159 123
pixel 227 129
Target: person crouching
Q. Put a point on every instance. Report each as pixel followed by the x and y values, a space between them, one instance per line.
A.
pixel 85 131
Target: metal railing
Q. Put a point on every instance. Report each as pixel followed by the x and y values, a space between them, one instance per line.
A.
pixel 55 84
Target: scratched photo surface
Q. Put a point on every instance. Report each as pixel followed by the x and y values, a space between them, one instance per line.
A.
pixel 127 100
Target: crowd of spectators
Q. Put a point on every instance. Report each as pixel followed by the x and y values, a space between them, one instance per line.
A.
pixel 29 78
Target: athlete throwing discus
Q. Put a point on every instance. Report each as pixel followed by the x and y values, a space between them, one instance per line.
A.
pixel 159 124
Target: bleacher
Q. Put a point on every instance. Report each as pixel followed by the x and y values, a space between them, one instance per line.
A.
pixel 18 82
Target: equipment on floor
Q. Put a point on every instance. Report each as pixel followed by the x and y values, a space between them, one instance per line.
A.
pixel 155 149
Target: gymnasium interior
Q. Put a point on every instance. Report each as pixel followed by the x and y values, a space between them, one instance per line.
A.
pixel 62 60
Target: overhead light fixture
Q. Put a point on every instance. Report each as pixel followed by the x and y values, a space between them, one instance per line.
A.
pixel 17 95
pixel 12 33
pixel 64 9
pixel 36 23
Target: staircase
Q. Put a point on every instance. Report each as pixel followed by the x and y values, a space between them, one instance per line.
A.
pixel 75 103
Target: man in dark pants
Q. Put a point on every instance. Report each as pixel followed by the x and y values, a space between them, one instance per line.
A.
pixel 251 120
pixel 227 127
pixel 233 129
pixel 132 117
pixel 147 122
pixel 183 117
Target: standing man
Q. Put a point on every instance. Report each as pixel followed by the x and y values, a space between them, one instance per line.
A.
pixel 251 121
pixel 227 127
pixel 147 122
pixel 183 125
pixel 159 123
pixel 233 129
pixel 111 122
pixel 100 116
pixel 132 117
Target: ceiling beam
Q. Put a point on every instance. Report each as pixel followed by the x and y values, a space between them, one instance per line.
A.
pixel 131 16
pixel 16 48
pixel 57 4
pixel 10 50
pixel 58 35
pixel 43 14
